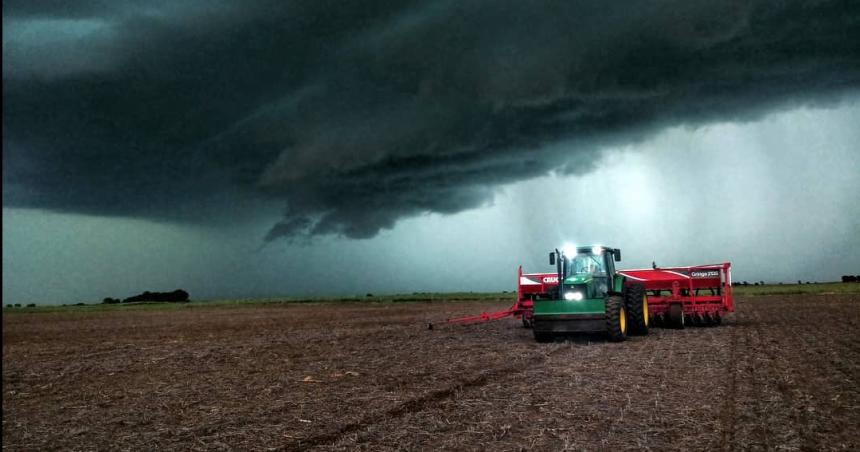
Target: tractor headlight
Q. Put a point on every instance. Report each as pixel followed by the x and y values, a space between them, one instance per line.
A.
pixel 573 296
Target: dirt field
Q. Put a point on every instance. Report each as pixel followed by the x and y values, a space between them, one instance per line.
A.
pixel 781 373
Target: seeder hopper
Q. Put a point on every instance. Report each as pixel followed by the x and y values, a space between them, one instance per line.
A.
pixel 595 297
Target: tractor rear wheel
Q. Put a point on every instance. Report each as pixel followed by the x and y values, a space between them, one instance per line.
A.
pixel 616 318
pixel 676 316
pixel 636 303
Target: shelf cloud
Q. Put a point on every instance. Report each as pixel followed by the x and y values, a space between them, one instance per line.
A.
pixel 355 115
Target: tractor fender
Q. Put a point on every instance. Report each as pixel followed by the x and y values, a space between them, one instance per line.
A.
pixel 618 285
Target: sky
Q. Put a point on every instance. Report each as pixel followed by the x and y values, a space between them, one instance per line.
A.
pixel 244 149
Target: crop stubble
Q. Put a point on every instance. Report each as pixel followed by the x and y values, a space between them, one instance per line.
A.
pixel 782 372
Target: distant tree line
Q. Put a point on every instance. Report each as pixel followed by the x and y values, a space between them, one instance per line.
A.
pixel 177 296
pixel 850 278
pixel 746 283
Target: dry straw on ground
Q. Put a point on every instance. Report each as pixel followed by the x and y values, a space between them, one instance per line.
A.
pixel 780 373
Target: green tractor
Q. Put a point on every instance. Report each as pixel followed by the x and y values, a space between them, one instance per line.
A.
pixel 590 297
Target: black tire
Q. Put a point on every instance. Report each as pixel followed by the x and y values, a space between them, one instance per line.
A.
pixel 636 302
pixel 718 319
pixel 616 318
pixel 676 316
pixel 543 337
pixel 526 323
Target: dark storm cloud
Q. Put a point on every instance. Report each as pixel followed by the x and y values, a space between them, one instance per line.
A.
pixel 358 114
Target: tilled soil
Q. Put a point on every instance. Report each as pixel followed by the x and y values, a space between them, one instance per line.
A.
pixel 781 373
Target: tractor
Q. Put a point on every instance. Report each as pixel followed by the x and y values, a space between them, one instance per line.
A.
pixel 587 294
pixel 590 297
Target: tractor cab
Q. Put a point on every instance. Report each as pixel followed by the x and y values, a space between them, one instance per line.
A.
pixel 587 298
pixel 585 272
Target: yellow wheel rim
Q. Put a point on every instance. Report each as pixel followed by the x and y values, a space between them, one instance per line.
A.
pixel 622 320
pixel 645 308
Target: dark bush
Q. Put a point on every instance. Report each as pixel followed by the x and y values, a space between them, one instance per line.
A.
pixel 110 300
pixel 369 295
pixel 849 278
pixel 17 305
pixel 79 304
pixel 31 305
pixel 176 296
pixel 10 305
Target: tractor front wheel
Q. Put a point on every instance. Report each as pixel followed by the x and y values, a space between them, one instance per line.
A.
pixel 636 303
pixel 616 319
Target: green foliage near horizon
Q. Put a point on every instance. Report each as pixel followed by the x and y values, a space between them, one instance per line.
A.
pixel 742 291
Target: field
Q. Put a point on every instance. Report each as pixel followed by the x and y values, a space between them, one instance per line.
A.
pixel 783 372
